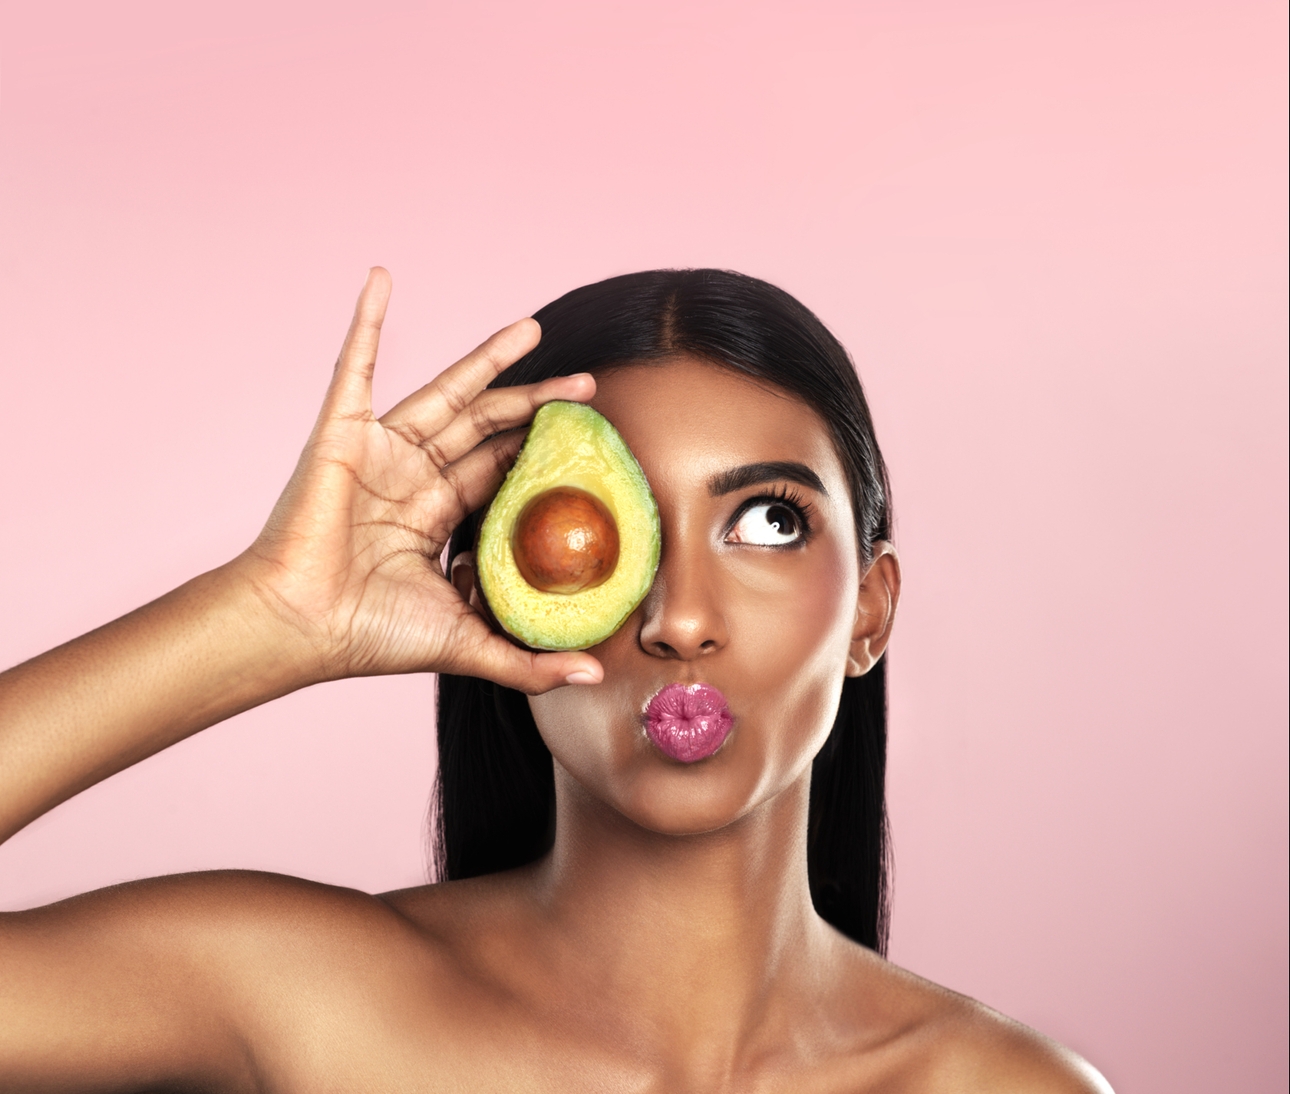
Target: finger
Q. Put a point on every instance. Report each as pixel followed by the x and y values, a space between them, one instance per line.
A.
pixel 477 651
pixel 351 385
pixel 472 481
pixel 490 413
pixel 448 394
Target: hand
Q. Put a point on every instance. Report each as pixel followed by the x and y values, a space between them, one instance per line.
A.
pixel 351 554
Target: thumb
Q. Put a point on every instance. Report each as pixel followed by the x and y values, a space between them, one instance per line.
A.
pixel 494 658
pixel 544 671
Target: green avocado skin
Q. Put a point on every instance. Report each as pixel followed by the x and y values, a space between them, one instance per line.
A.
pixel 569 444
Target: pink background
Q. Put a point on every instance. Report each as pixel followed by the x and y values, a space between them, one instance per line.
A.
pixel 1053 236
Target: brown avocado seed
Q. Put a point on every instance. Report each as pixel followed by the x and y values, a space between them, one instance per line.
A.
pixel 565 541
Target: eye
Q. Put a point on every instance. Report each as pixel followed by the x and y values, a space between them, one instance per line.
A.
pixel 768 524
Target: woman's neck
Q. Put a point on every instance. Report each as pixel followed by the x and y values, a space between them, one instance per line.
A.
pixel 694 944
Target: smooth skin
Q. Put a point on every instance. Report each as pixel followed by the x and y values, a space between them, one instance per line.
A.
pixel 668 942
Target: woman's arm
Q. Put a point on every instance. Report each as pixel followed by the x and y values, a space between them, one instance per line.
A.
pixel 345 580
pixel 87 709
pixel 180 978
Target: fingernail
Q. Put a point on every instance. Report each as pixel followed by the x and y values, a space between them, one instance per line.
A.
pixel 582 676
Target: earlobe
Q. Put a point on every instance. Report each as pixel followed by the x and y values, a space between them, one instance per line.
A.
pixel 875 610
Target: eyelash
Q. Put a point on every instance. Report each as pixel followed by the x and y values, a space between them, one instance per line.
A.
pixel 782 495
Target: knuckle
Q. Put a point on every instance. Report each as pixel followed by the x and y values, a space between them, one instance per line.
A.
pixel 456 489
pixel 503 455
pixel 455 394
pixel 409 432
pixel 489 352
pixel 431 447
pixel 484 419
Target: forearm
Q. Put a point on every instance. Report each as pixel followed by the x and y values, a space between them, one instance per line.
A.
pixel 102 702
pixel 345 577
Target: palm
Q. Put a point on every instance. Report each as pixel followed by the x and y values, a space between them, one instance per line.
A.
pixel 370 545
pixel 351 554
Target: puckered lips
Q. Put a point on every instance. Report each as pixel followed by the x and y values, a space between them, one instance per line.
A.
pixel 688 722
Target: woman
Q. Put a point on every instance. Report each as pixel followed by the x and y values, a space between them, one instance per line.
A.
pixel 614 918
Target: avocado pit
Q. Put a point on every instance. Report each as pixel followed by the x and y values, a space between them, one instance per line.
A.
pixel 565 541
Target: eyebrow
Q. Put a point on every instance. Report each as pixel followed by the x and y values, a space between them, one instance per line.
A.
pixel 751 474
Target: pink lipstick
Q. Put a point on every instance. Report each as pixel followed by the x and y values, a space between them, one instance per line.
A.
pixel 688 722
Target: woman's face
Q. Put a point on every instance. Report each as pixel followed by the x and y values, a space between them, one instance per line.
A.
pixel 756 595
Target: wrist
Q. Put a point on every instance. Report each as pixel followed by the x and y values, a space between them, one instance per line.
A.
pixel 279 644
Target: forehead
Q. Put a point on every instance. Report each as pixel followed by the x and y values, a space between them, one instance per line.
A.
pixel 687 419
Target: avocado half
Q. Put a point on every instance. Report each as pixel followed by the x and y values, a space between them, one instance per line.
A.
pixel 570 445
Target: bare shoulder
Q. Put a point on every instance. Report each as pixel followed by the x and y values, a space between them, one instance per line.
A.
pixel 437 907
pixel 206 963
pixel 932 1039
pixel 986 1051
pixel 228 929
pixel 185 907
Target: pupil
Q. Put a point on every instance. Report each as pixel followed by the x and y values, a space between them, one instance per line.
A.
pixel 781 519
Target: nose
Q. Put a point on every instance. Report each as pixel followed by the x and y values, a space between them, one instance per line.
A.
pixel 683 620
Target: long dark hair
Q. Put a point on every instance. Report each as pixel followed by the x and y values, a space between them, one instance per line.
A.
pixel 494 803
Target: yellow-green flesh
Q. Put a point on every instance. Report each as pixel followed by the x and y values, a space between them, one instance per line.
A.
pixel 570 444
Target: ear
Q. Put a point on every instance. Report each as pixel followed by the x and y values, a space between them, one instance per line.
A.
pixel 462 576
pixel 465 580
pixel 875 610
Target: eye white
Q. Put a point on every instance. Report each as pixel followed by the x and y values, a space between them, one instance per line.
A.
pixel 768 524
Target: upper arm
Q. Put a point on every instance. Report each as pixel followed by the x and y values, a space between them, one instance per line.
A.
pixel 142 983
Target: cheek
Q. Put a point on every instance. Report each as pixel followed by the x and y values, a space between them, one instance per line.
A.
pixel 797 643
pixel 591 729
pixel 805 614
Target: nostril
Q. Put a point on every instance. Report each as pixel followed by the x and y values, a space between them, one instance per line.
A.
pixel 708 645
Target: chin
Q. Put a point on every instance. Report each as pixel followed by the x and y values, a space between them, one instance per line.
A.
pixel 669 798
pixel 671 810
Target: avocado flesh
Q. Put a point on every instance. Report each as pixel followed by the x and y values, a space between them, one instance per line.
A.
pixel 569 444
